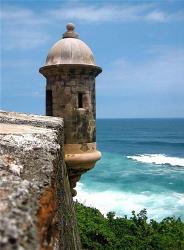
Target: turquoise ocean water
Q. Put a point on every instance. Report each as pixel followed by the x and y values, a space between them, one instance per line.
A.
pixel 142 166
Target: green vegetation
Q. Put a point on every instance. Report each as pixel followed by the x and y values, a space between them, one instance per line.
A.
pixel 135 233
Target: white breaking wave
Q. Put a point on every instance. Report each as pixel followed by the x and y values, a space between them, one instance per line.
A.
pixel 158 206
pixel 158 159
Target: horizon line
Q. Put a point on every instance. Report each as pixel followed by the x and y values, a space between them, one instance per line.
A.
pixel 140 118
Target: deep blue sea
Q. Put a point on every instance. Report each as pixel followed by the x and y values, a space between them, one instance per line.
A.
pixel 142 166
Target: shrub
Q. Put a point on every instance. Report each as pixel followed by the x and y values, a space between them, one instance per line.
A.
pixel 135 233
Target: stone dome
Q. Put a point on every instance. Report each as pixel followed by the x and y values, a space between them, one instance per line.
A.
pixel 70 50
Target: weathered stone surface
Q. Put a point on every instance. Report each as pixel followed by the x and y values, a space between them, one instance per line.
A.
pixel 36 207
pixel 65 104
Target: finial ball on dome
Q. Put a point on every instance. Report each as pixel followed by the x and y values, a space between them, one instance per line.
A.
pixel 70 33
pixel 70 26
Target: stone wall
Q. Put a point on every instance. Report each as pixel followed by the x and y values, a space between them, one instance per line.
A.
pixel 36 207
pixel 64 90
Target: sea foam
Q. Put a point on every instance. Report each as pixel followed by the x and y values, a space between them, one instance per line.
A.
pixel 158 159
pixel 158 206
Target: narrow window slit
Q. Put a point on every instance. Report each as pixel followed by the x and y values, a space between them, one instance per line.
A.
pixel 80 100
pixel 49 110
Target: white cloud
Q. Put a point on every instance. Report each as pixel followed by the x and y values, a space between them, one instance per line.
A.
pixel 161 74
pixel 14 13
pixel 22 29
pixel 150 88
pixel 108 13
pixel 23 39
pixel 21 15
pixel 157 16
pixel 26 28
pixel 100 14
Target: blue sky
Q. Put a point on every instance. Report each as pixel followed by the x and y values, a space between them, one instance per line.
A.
pixel 139 45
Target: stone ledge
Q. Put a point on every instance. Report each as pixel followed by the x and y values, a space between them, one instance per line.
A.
pixel 36 207
pixel 34 120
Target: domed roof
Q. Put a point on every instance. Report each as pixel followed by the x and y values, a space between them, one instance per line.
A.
pixel 70 50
